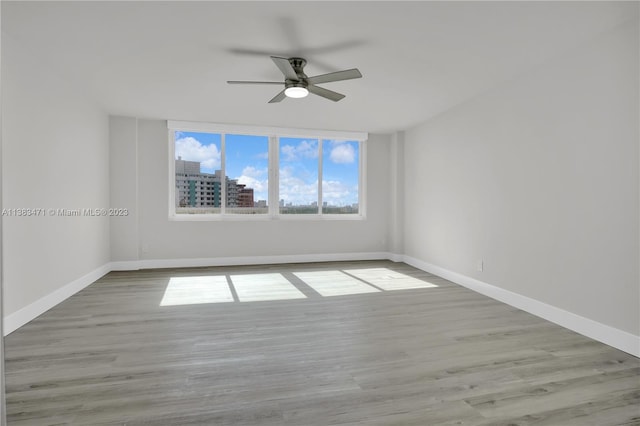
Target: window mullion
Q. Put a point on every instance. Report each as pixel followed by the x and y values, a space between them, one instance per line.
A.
pixel 274 176
pixel 320 141
pixel 362 188
pixel 223 177
pixel 172 174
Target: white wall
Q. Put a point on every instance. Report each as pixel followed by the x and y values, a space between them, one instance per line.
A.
pixel 55 155
pixel 123 154
pixel 396 196
pixel 158 238
pixel 3 417
pixel 539 178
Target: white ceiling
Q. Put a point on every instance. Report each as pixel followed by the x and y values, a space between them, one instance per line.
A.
pixel 171 60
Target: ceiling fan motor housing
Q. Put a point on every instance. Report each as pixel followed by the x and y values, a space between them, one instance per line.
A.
pixel 297 64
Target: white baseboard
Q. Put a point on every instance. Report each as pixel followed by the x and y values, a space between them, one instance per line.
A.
pixel 19 318
pixel 395 257
pixel 611 336
pixel 244 260
pixel 125 265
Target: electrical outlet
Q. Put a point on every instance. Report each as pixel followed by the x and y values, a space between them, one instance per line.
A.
pixel 480 265
pixel 145 248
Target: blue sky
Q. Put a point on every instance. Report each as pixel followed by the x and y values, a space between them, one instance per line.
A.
pixel 247 161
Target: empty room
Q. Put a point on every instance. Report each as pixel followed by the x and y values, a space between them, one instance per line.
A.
pixel 320 213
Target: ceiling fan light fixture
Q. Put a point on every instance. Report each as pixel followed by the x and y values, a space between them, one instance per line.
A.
pixel 296 92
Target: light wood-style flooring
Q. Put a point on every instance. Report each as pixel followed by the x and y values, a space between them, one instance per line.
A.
pixel 438 355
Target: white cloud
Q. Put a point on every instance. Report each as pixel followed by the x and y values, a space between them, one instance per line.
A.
pixel 305 149
pixel 343 154
pixel 296 190
pixel 191 149
pixel 260 187
pixel 338 193
pixel 253 172
pixel 251 177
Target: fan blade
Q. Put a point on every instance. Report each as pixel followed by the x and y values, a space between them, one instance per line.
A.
pixel 333 47
pixel 255 82
pixel 286 68
pixel 252 52
pixel 325 93
pixel 335 76
pixel 277 98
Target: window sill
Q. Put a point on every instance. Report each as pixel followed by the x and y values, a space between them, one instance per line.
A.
pixel 263 217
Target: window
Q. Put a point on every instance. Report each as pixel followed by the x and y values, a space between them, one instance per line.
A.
pixel 198 159
pixel 340 176
pixel 298 188
pixel 302 167
pixel 219 171
pixel 247 165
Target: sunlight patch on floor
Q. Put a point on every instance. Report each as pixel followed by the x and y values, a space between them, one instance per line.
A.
pixel 275 286
pixel 258 287
pixel 196 290
pixel 388 280
pixel 334 283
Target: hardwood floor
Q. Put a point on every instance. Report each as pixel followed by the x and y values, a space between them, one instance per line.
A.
pixel 439 355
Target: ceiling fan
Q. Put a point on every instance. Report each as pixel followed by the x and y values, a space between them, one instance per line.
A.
pixel 298 85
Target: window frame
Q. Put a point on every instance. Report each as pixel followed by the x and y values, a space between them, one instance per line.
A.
pixel 274 134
